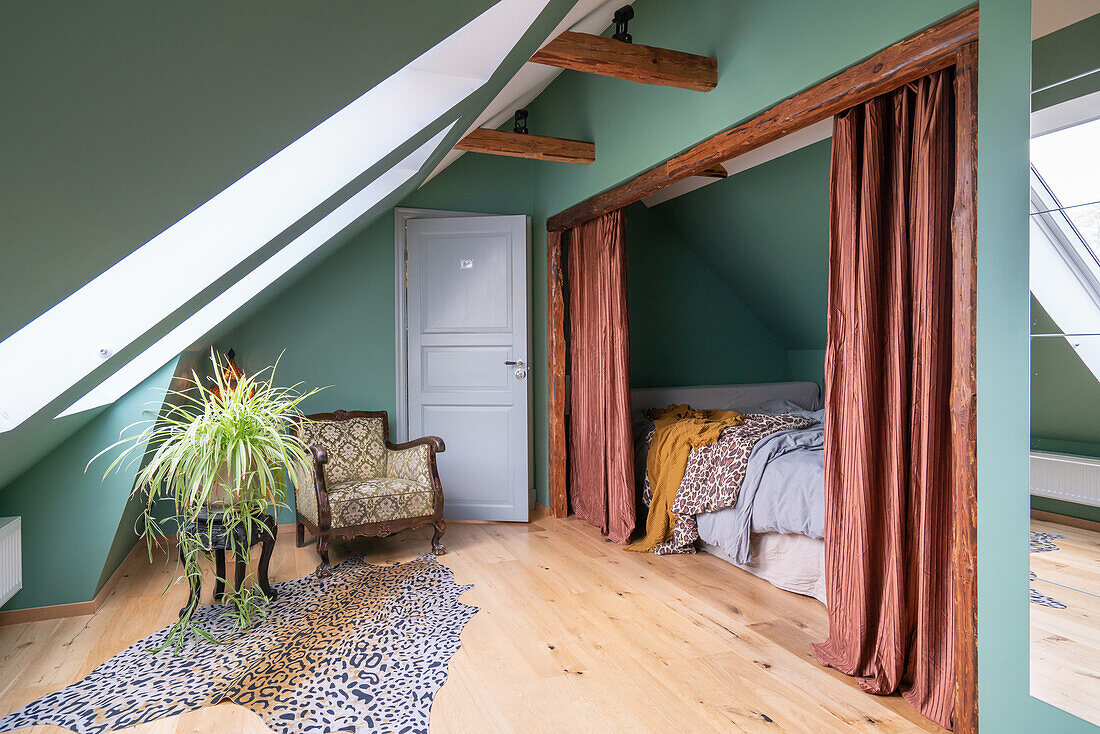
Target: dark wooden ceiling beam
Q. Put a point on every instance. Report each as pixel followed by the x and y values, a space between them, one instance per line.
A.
pixel 715 171
pixel 633 61
pixel 524 145
pixel 905 61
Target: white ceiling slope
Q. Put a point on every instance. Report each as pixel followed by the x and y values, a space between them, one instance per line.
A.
pixel 66 343
pixel 587 16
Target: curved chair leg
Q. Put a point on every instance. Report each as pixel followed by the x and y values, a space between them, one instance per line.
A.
pixel 322 550
pixel 437 547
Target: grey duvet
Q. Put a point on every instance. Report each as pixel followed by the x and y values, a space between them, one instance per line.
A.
pixel 783 492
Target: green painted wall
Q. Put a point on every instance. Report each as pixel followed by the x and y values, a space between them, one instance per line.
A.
pixel 686 325
pixel 72 535
pixel 765 231
pixel 121 117
pixel 152 109
pixel 1069 509
pixel 808 365
pixel 637 126
pixel 1003 378
pixel 1065 403
pixel 331 329
pixel 1065 395
pixel 1062 55
pixel 334 326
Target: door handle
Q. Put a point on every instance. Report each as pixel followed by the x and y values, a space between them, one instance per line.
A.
pixel 516 363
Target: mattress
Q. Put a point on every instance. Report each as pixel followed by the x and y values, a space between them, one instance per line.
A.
pixel 789 561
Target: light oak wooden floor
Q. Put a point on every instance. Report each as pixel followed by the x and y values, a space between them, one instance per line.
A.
pixel 574 634
pixel 1065 643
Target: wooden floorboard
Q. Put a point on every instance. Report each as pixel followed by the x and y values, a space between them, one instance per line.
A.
pixel 1065 643
pixel 574 634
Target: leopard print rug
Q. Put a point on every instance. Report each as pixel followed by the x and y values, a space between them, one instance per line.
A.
pixel 1043 543
pixel 363 650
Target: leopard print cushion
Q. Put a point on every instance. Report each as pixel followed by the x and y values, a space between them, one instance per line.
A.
pixel 379 500
pixel 356 447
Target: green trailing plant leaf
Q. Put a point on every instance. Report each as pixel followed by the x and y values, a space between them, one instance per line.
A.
pixel 227 445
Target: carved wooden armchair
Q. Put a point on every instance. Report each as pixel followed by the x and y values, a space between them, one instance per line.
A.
pixel 361 484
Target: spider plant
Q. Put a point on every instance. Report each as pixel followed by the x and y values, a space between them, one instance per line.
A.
pixel 226 446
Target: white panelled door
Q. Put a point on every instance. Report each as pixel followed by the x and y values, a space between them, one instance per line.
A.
pixel 468 374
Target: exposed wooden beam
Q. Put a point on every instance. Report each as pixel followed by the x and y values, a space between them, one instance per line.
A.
pixel 715 171
pixel 633 61
pixel 912 58
pixel 523 145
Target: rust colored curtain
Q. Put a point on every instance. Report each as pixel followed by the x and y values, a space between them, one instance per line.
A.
pixel 601 484
pixel 888 376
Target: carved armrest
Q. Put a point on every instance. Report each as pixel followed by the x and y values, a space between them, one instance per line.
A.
pixel 315 475
pixel 435 442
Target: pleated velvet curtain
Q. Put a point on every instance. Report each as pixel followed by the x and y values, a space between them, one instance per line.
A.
pixel 888 518
pixel 601 483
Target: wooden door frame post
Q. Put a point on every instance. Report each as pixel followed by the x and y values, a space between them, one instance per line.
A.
pixel 964 393
pixel 559 492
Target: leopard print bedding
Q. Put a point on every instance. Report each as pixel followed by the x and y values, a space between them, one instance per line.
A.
pixel 363 650
pixel 714 474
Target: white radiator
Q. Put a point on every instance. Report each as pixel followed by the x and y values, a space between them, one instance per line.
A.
pixel 11 558
pixel 1066 477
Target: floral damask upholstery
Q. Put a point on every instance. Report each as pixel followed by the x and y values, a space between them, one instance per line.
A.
pixel 379 500
pixel 365 481
pixel 361 484
pixel 411 464
pixel 356 447
pixel 305 495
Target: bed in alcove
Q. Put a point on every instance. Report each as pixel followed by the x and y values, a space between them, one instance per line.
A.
pixel 726 288
pixel 732 284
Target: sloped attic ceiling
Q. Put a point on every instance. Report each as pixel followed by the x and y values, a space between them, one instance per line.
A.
pixel 765 233
pixel 123 122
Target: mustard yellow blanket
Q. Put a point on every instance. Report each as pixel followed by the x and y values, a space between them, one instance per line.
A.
pixel 679 429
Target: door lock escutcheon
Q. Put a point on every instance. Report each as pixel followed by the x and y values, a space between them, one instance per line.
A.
pixel 521 371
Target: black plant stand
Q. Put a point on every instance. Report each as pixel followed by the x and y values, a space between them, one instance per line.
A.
pixel 208 526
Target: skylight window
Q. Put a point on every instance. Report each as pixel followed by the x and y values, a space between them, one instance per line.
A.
pixel 1065 234
pixel 194 328
pixel 66 343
